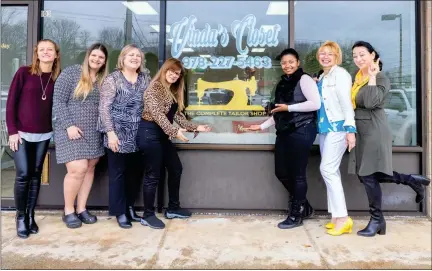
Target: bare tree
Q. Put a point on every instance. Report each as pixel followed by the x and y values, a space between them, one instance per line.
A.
pixel 84 37
pixel 112 37
pixel 64 32
pixel 14 42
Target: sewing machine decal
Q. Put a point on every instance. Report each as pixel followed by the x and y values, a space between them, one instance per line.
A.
pixel 237 105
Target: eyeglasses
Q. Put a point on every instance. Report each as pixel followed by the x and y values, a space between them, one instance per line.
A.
pixel 176 73
pixel 325 54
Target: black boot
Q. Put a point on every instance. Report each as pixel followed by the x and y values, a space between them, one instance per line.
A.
pixel 416 182
pixel 22 225
pixel 294 219
pixel 377 222
pixel 21 195
pixel 132 215
pixel 33 194
pixel 308 211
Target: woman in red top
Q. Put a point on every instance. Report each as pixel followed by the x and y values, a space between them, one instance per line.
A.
pixel 28 120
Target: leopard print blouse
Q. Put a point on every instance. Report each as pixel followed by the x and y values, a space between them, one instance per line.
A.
pixel 157 104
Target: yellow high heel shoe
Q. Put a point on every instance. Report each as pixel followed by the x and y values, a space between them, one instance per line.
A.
pixel 330 225
pixel 346 228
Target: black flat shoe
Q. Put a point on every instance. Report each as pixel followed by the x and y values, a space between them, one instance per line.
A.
pixel 87 218
pixel 72 221
pixel 132 215
pixel 123 221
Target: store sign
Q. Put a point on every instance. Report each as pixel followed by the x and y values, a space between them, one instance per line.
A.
pixel 240 127
pixel 184 35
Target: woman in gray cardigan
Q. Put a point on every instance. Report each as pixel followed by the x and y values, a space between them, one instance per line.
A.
pixel 373 152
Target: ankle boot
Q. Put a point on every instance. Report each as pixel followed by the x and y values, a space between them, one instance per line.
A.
pixel 33 194
pixel 375 225
pixel 294 219
pixel 20 196
pixel 132 215
pixel 377 222
pixel 22 225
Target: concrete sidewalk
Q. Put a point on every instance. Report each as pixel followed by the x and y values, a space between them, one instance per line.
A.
pixel 215 242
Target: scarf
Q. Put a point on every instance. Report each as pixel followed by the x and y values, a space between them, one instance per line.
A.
pixel 359 82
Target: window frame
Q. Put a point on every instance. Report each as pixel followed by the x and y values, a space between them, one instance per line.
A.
pixel 420 74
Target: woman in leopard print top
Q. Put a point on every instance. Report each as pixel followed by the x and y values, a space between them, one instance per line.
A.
pixel 163 103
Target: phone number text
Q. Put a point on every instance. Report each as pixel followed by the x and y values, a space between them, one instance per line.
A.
pixel 226 62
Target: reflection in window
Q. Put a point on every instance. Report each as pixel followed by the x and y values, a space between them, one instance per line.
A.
pixel 389 28
pixel 75 25
pixel 13 49
pixel 229 52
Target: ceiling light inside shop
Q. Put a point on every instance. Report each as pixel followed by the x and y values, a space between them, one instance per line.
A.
pixel 156 27
pixel 258 50
pixel 140 8
pixel 277 8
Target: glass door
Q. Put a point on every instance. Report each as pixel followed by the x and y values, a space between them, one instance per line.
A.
pixel 15 48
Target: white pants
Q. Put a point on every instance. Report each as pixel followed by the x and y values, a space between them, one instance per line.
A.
pixel 332 147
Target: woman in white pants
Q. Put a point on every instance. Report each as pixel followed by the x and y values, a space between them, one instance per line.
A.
pixel 336 128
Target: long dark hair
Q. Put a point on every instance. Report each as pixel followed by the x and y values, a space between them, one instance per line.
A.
pixel 370 49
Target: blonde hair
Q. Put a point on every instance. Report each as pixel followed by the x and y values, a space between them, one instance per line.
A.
pixel 124 52
pixel 176 90
pixel 35 65
pixel 85 85
pixel 334 47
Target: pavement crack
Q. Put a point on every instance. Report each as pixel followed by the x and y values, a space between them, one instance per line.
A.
pixel 322 258
pixel 153 261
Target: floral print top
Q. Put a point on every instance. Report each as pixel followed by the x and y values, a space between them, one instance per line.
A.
pixel 121 107
pixel 324 125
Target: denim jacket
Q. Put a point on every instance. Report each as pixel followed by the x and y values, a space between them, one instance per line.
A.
pixel 336 96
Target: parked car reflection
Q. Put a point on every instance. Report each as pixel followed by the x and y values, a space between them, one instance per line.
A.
pixel 400 110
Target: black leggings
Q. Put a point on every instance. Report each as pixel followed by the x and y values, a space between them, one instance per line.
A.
pixel 291 159
pixel 29 161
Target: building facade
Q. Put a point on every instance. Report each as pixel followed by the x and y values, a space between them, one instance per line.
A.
pixel 229 50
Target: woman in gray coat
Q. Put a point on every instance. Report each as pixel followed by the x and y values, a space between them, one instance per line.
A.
pixel 373 152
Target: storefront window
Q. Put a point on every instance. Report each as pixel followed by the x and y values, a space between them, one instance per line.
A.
pixel 75 25
pixel 390 28
pixel 229 50
pixel 13 50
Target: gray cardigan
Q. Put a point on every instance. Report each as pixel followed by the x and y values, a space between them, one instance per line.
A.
pixel 373 151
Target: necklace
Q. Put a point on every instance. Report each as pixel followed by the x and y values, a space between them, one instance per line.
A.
pixel 44 88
